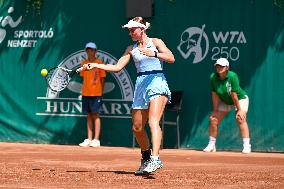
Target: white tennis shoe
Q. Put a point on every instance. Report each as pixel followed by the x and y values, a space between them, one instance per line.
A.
pixel 210 148
pixel 246 149
pixel 86 143
pixel 95 143
pixel 153 165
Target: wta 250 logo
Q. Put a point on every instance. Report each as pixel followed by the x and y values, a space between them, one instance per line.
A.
pixel 117 94
pixel 195 43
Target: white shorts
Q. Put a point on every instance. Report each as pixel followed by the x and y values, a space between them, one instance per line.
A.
pixel 244 103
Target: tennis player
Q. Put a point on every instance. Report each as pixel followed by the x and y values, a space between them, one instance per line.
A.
pixel 226 94
pixel 151 89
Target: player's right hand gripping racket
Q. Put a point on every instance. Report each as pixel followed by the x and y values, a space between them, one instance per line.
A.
pixel 58 78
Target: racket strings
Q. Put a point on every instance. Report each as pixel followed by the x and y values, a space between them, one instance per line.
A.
pixel 58 79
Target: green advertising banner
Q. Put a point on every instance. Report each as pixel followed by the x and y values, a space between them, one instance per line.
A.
pixel 45 34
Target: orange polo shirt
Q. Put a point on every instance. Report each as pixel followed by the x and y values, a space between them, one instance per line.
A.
pixel 92 80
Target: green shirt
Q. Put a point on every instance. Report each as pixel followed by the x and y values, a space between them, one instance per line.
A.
pixel 224 87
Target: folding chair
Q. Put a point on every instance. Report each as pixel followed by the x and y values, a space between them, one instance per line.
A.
pixel 175 106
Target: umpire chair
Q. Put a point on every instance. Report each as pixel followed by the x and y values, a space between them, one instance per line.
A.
pixel 174 107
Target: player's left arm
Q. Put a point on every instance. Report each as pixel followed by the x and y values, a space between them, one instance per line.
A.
pixel 164 53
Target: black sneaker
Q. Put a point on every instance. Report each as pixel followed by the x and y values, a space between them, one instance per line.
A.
pixel 143 165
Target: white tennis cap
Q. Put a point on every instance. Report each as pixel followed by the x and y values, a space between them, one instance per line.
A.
pixel 134 24
pixel 222 62
pixel 91 45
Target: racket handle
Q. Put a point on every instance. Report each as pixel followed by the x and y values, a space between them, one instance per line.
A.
pixel 65 69
pixel 80 69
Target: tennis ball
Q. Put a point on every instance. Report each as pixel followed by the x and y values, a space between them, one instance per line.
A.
pixel 44 72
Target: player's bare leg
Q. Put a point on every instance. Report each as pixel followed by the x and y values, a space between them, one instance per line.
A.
pixel 139 118
pixel 156 110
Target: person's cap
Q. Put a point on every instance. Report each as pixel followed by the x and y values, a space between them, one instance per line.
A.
pixel 134 24
pixel 91 45
pixel 222 62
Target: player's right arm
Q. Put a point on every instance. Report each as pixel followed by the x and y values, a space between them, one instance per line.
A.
pixel 121 63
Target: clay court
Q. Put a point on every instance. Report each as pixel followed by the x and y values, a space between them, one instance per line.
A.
pixel 62 166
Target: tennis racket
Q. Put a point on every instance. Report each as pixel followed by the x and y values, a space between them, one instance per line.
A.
pixel 58 78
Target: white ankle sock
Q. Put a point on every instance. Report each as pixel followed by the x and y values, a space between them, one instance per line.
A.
pixel 212 140
pixel 246 141
pixel 156 157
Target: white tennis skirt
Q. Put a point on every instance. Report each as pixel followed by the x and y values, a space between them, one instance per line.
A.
pixel 149 87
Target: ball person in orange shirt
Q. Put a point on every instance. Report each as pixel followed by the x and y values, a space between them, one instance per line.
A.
pixel 92 90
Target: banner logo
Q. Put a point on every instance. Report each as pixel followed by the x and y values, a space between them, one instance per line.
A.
pixel 191 42
pixel 117 94
pixel 21 38
pixel 198 43
pixel 8 20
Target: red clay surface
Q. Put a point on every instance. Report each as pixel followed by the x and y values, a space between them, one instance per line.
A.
pixel 60 166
